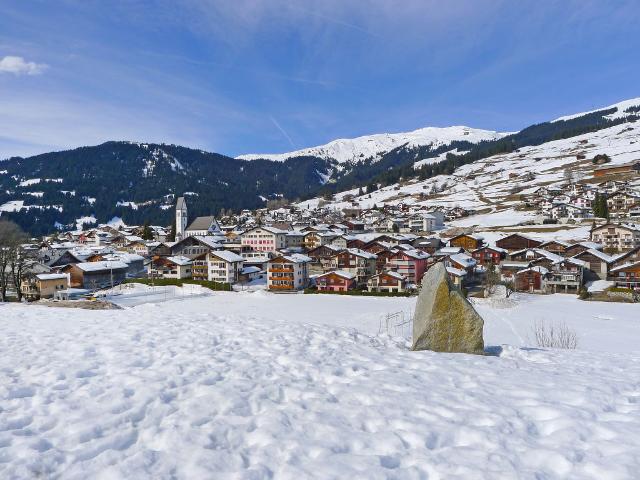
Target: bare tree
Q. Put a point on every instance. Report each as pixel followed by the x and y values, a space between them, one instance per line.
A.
pixel 11 239
pixel 509 287
pixel 491 280
pixel 555 336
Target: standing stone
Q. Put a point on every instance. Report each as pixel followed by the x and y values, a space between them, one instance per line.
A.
pixel 444 320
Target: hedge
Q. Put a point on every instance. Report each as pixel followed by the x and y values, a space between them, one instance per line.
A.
pixel 360 293
pixel 178 282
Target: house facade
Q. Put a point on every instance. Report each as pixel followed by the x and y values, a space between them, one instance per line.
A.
pixel 265 239
pixel 336 281
pixel 43 285
pixel 391 282
pixel 288 273
pixel 355 261
pixel 616 237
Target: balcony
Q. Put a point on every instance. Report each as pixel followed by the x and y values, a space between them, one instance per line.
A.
pixel 281 269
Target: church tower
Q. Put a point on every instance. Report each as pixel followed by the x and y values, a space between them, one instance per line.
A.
pixel 181 218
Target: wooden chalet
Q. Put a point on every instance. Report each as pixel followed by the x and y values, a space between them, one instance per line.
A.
pixel 467 241
pixel 517 241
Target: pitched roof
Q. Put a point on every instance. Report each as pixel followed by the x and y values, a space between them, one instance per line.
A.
pixel 227 256
pixel 181 204
pixel 340 273
pixel 208 223
pixel 98 266
pixel 179 260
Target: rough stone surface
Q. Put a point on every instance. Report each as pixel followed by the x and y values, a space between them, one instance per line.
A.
pixel 444 320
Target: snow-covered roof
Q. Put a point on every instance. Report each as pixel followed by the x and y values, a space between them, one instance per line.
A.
pixel 51 276
pixel 227 256
pixel 625 265
pixel 417 254
pixel 361 253
pixel 463 259
pixel 180 260
pixel 248 270
pixel 98 266
pixel 340 273
pixel 597 253
pixel 536 268
pixel 393 274
pixel 456 271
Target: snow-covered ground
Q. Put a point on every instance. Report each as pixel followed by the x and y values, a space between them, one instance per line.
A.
pixel 255 385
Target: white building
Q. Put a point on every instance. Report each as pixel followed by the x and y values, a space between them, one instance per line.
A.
pixel 288 272
pixel 265 239
pixel 181 218
pixel 224 266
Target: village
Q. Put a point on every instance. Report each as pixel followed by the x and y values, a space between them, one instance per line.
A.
pixel 384 250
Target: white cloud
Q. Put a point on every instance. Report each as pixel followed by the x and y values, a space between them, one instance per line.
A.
pixel 18 66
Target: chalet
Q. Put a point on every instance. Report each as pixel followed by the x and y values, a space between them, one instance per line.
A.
pixel 315 239
pixel 68 258
pixel 508 269
pixel 447 251
pixel 387 282
pixel 288 273
pixel 96 275
pixel 356 243
pixel 358 262
pixel 224 266
pixel 159 249
pixel 138 247
pixel 382 258
pixel 457 276
pixel 597 264
pixel 489 255
pixel 135 263
pixel 336 281
pixel 555 246
pixel 462 261
pixel 619 203
pixel 171 267
pixel 616 237
pixel 411 264
pixel 630 256
pixel 203 227
pixel 342 241
pixel 517 241
pixel 265 239
pixel 566 276
pixel 429 245
pixel 376 246
pixel 531 279
pixel 576 248
pixel 43 285
pixel 194 245
pixel 467 241
pixel 626 275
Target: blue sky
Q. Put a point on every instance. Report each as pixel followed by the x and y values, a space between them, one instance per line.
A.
pixel 245 76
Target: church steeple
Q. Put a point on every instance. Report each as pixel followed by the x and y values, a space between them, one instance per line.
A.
pixel 181 218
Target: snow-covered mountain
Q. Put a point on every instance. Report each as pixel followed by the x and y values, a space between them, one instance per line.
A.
pixel 357 149
pixel 624 109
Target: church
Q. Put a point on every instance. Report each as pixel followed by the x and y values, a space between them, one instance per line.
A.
pixel 200 227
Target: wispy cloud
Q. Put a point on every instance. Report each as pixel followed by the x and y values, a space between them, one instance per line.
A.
pixel 282 130
pixel 19 66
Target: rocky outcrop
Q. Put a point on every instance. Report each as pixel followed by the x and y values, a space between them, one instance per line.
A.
pixel 444 320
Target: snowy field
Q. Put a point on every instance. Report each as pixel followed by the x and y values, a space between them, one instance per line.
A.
pixel 259 386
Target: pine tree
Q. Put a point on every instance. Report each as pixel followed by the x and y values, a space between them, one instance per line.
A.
pixel 147 233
